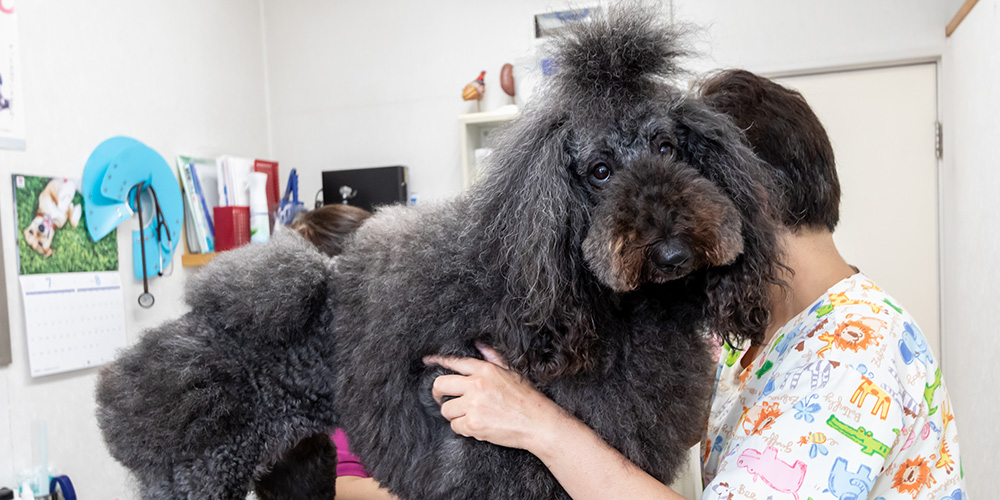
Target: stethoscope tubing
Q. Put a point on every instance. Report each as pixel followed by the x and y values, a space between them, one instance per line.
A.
pixel 142 246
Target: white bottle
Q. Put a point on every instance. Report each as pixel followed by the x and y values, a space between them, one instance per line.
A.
pixel 260 224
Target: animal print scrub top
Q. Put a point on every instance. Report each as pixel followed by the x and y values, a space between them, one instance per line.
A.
pixel 845 402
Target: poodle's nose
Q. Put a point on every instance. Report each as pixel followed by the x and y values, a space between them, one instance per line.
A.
pixel 670 255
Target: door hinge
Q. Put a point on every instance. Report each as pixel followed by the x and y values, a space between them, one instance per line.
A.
pixel 938 140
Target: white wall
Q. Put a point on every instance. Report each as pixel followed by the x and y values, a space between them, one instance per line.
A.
pixel 971 239
pixel 374 83
pixel 768 36
pixel 181 75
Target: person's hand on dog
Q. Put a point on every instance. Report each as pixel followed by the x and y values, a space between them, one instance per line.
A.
pixel 490 402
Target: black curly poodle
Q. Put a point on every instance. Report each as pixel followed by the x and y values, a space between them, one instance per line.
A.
pixel 619 221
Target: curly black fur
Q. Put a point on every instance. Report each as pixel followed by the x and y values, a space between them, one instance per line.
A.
pixel 222 392
pixel 306 472
pixel 618 222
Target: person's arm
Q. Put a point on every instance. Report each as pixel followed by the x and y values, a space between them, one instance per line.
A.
pixel 353 481
pixel 361 488
pixel 492 403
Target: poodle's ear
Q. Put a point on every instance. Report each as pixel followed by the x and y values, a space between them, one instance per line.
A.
pixel 534 219
pixel 739 294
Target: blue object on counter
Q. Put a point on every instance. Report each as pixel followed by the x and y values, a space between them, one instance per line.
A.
pixel 64 486
pixel 290 204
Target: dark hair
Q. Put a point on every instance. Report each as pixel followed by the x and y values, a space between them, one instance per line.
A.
pixel 784 132
pixel 327 227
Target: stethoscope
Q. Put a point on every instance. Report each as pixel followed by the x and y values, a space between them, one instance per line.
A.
pixel 146 299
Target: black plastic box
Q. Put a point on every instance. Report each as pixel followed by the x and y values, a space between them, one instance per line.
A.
pixel 372 187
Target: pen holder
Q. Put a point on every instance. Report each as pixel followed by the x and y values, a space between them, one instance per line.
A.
pixel 232 227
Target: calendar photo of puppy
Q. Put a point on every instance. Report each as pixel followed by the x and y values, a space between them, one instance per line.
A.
pixel 51 229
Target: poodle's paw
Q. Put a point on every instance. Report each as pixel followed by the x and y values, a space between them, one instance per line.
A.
pixel 426 394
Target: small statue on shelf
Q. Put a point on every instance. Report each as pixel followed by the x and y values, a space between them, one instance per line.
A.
pixel 475 89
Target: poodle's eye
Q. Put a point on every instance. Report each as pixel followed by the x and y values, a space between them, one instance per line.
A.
pixel 666 149
pixel 600 173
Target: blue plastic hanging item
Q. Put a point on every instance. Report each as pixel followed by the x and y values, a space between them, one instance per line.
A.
pixel 117 173
pixel 290 205
pixel 64 486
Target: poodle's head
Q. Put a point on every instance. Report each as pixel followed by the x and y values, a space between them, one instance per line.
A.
pixel 660 210
pixel 615 180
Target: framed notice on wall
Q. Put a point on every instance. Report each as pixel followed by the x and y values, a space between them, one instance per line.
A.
pixel 11 92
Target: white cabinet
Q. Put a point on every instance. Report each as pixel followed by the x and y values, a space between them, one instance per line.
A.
pixel 476 131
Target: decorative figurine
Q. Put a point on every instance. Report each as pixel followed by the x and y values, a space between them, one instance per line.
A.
pixel 507 79
pixel 475 89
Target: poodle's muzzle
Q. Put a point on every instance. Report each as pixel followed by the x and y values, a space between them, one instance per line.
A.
pixel 659 219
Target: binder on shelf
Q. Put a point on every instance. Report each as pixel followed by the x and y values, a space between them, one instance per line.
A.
pixel 232 227
pixel 196 239
pixel 273 192
pixel 204 204
pixel 198 202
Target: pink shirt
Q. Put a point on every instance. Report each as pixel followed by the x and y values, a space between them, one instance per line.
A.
pixel 347 463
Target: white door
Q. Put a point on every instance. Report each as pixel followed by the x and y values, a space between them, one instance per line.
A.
pixel 882 125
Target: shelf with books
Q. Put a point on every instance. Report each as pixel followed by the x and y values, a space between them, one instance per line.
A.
pixel 216 199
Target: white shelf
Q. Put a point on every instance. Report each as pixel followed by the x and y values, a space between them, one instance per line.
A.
pixel 475 130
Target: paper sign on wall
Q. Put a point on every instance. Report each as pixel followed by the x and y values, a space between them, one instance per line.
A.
pixel 11 102
pixel 74 309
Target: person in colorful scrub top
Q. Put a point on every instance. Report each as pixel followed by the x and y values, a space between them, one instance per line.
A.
pixel 842 400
